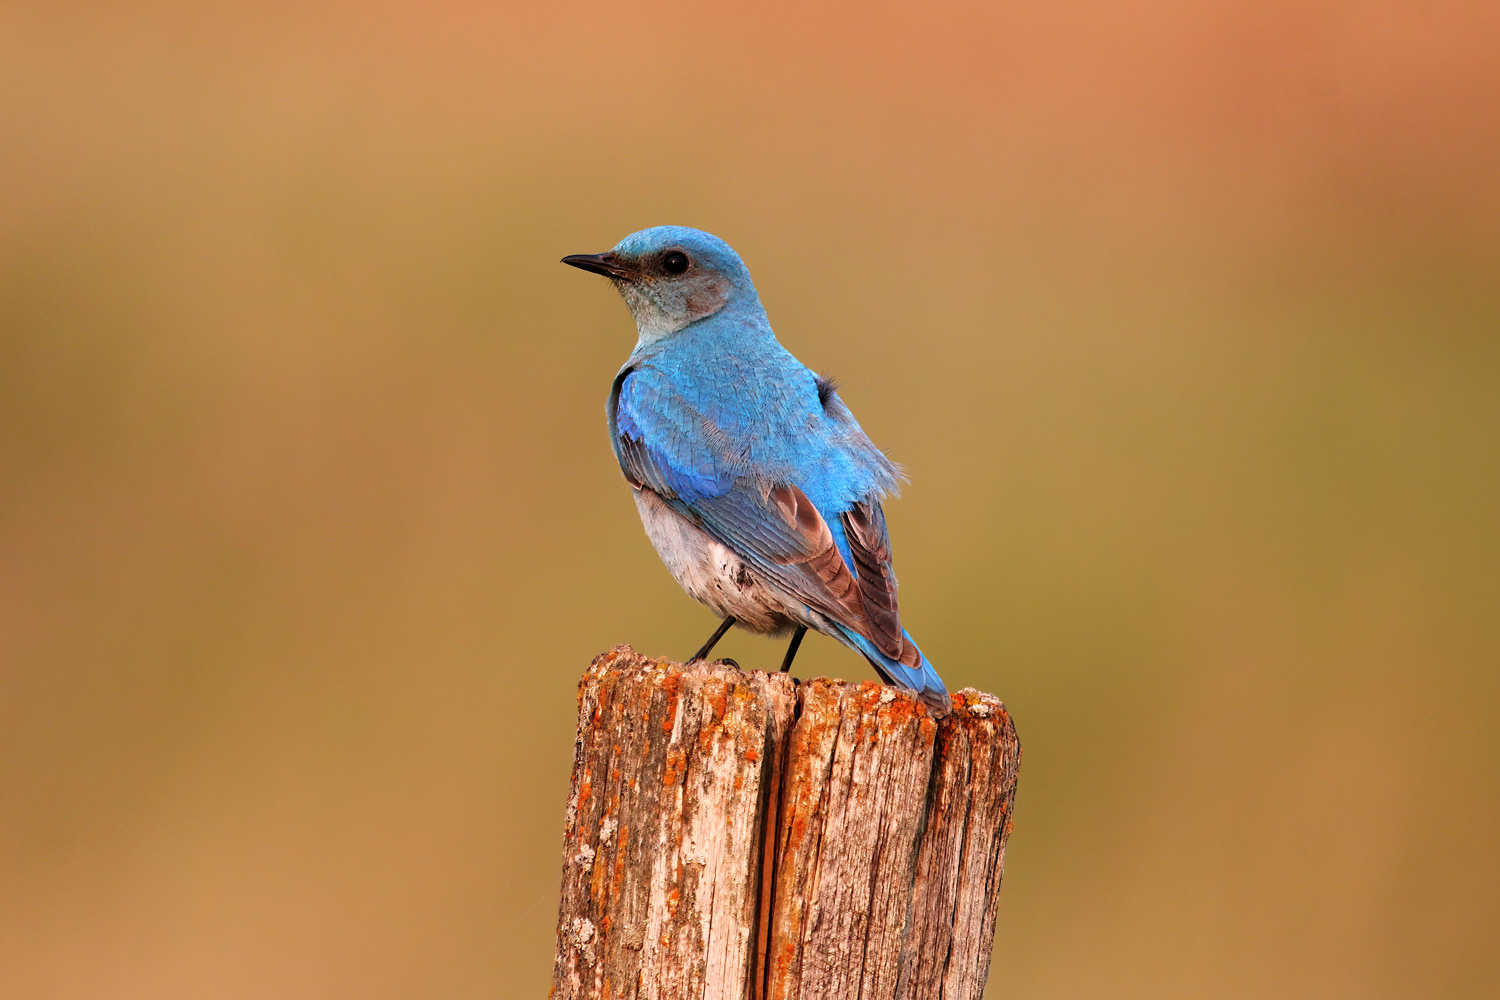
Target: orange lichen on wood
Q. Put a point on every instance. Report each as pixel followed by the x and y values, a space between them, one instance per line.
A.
pixel 676 762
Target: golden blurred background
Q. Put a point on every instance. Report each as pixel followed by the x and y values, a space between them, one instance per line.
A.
pixel 1184 319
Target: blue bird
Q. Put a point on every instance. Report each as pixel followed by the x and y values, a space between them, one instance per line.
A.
pixel 754 481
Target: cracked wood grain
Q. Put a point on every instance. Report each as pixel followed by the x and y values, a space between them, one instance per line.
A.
pixel 738 835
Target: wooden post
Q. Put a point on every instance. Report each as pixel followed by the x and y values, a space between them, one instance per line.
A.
pixel 735 835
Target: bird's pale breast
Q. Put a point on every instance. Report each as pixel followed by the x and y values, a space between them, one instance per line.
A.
pixel 710 572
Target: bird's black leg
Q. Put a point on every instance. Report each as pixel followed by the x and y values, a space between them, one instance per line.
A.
pixel 713 640
pixel 791 651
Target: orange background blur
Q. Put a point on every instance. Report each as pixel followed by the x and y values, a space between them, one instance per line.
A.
pixel 1183 317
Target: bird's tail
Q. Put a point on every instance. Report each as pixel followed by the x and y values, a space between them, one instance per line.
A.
pixel 913 670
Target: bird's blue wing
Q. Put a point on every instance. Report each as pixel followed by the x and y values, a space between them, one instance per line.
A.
pixel 670 447
pixel 661 446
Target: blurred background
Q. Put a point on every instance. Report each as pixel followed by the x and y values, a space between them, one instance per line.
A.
pixel 1184 319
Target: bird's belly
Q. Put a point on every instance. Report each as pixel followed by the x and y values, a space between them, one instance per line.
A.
pixel 708 571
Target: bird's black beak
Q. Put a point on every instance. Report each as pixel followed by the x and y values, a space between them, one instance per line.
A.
pixel 606 264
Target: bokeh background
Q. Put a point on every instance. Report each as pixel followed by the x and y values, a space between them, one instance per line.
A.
pixel 1184 319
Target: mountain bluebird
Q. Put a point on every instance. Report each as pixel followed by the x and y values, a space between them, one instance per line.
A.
pixel 755 483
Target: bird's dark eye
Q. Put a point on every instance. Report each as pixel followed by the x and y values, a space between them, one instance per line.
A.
pixel 674 262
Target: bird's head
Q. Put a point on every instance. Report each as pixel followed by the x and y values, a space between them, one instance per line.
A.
pixel 673 276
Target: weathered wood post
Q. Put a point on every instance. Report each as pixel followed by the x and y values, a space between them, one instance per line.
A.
pixel 738 836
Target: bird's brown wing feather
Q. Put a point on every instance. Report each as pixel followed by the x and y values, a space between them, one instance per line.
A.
pixel 870 544
pixel 821 576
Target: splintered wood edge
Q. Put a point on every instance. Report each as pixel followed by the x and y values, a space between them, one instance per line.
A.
pixel 968 702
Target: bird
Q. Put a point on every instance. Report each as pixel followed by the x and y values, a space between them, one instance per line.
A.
pixel 754 482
